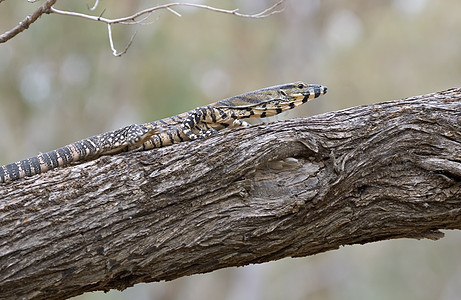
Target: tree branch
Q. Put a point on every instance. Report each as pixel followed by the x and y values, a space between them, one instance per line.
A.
pixel 251 195
pixel 140 16
pixel 130 20
pixel 136 18
pixel 24 24
pixel 96 2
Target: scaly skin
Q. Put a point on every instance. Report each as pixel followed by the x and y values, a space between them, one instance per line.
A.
pixel 228 113
pixel 195 124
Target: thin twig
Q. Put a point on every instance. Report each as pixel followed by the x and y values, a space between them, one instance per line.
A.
pixel 137 18
pixel 132 19
pixel 94 6
pixel 173 11
pixel 140 16
pixel 111 41
pixel 24 24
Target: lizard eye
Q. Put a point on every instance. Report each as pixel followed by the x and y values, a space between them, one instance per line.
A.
pixel 283 93
pixel 300 86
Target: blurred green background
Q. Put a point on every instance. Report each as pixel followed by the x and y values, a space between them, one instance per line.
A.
pixel 60 83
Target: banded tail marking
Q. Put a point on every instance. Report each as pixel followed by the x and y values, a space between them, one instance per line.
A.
pixel 124 139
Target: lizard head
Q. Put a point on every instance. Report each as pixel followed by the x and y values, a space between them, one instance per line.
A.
pixel 300 91
pixel 272 100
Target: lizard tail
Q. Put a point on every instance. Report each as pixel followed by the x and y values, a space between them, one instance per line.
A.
pixel 124 139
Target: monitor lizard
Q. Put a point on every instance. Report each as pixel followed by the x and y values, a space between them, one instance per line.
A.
pixel 198 123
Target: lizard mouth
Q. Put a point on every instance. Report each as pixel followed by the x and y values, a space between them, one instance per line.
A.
pixel 313 92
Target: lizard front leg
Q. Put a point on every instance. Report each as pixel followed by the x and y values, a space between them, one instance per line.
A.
pixel 192 122
pixel 239 123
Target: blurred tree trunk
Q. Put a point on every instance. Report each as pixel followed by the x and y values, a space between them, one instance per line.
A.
pixel 292 188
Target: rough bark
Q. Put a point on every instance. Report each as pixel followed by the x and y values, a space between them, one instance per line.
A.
pixel 292 188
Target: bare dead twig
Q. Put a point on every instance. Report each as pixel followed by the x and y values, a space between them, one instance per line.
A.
pixel 111 41
pixel 130 20
pixel 136 18
pixel 94 5
pixel 24 24
pixel 140 16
